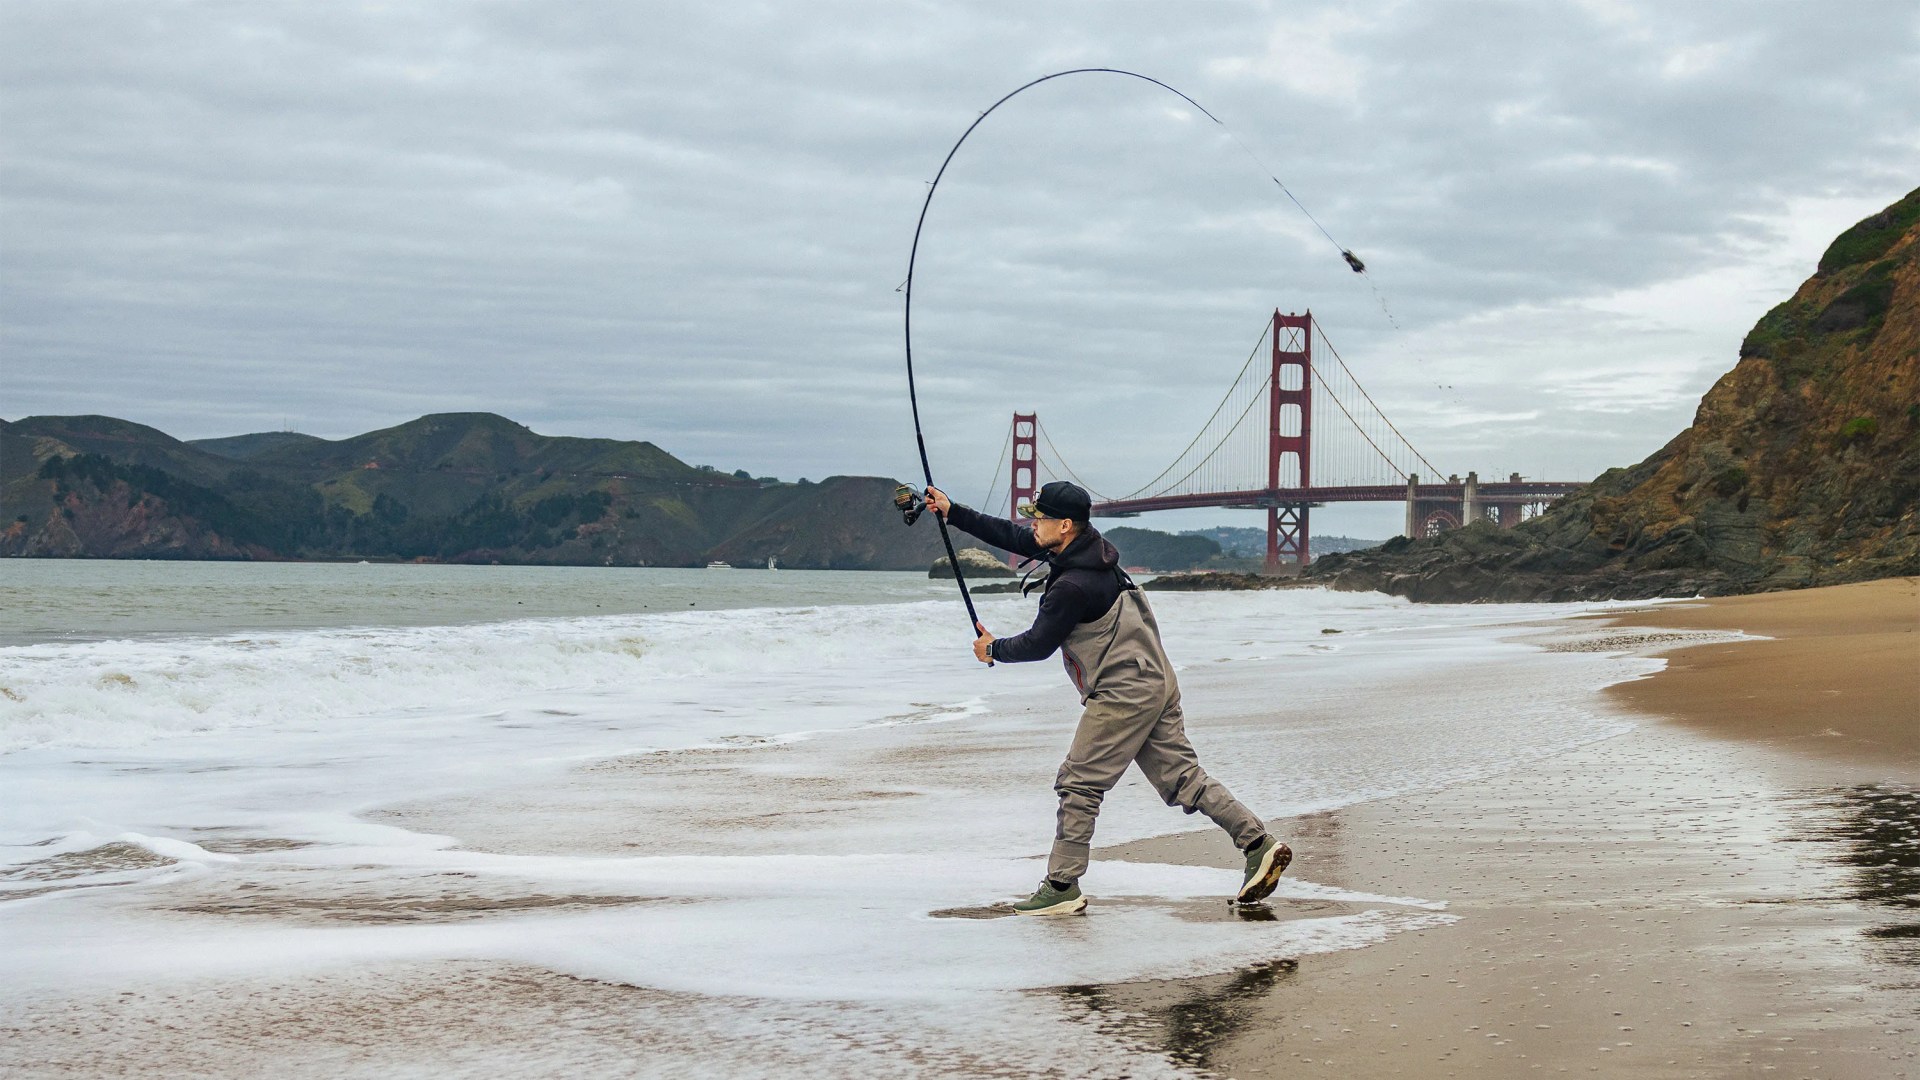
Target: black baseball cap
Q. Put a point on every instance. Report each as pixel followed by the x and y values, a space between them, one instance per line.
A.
pixel 1060 500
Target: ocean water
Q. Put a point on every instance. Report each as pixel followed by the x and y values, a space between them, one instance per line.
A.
pixel 725 786
pixel 69 599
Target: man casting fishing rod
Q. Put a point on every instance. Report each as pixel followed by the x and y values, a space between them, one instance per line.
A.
pixel 1094 614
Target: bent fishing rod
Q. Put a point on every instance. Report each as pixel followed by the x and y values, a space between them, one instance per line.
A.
pixel 912 503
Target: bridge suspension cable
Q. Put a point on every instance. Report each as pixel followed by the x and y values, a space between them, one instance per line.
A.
pixel 1362 429
pixel 1229 398
pixel 1068 469
pixel 1218 478
pixel 1432 470
pixel 1286 464
pixel 1229 454
pixel 999 473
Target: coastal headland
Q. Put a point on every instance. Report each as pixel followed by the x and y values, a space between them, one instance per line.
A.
pixel 1801 466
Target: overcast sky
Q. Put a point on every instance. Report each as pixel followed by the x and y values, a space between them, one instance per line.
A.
pixel 686 222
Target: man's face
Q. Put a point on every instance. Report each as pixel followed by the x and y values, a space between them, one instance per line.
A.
pixel 1052 533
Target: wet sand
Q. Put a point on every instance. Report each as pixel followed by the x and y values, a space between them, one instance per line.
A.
pixel 1732 889
pixel 1838 677
pixel 1726 891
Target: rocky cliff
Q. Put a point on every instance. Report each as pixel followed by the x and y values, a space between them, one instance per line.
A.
pixel 1802 466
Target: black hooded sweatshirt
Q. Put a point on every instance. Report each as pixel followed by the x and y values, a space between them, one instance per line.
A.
pixel 1083 582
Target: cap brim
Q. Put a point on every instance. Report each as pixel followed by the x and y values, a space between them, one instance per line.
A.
pixel 1028 510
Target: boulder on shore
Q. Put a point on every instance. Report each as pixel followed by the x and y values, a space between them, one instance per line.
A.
pixel 974 562
pixel 1222 582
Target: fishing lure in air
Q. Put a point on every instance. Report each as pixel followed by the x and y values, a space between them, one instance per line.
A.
pixel 912 503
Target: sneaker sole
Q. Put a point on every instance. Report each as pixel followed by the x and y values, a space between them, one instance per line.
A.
pixel 1268 879
pixel 1071 907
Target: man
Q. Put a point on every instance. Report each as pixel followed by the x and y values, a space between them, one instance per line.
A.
pixel 1099 621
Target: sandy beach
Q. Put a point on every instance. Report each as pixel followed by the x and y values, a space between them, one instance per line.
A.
pixel 1838 676
pixel 1729 890
pixel 1641 881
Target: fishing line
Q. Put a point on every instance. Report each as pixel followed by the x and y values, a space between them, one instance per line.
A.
pixel 1353 261
pixel 908 501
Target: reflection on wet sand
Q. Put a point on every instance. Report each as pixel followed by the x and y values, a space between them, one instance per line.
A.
pixel 1195 1017
pixel 1875 831
pixel 1656 905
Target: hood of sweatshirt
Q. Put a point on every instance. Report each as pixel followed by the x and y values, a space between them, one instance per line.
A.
pixel 1089 551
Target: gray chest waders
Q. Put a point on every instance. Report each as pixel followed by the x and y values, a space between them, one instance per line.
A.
pixel 1120 648
pixel 1131 715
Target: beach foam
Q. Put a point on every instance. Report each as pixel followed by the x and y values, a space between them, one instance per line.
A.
pixel 770 803
pixel 122 693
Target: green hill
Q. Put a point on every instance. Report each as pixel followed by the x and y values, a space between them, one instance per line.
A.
pixel 464 487
pixel 1239 541
pixel 247 447
pixel 121 440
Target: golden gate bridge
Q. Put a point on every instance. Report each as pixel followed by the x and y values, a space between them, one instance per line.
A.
pixel 1262 450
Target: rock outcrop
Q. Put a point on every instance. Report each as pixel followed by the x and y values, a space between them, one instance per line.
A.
pixel 1802 466
pixel 1222 582
pixel 975 562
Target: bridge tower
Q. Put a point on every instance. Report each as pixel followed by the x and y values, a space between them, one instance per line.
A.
pixel 1024 485
pixel 1290 434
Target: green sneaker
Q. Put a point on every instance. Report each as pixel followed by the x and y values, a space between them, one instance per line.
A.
pixel 1052 901
pixel 1265 861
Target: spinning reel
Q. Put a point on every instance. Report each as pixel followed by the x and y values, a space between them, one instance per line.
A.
pixel 910 502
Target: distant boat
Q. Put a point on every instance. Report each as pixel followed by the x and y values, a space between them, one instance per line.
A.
pixel 773 563
pixel 718 565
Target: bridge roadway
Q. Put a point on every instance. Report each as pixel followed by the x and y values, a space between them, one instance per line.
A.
pixel 1495 493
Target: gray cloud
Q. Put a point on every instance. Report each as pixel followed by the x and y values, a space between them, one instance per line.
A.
pixel 686 223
